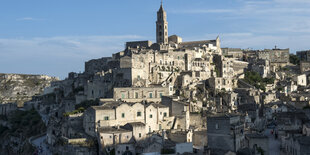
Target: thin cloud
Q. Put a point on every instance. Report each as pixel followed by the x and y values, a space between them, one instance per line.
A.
pixel 29 19
pixel 59 55
pixel 202 11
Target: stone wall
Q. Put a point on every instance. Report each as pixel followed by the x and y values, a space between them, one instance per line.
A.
pixel 97 65
pixel 138 94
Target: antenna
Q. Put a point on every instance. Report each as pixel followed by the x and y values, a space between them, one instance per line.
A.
pixel 161 2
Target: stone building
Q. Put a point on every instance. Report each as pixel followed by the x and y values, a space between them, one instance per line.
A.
pixel 230 99
pixel 233 53
pixel 277 57
pixel 225 132
pixel 145 64
pixel 304 66
pixel 296 145
pixel 138 94
pixel 113 138
pixel 113 114
pixel 247 96
pixel 257 141
pixel 97 65
pixel 303 55
pixel 262 66
pixel 301 80
pixel 220 83
pixel 224 66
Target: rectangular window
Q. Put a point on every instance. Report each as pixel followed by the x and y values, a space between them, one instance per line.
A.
pixel 151 95
pixel 106 118
pixel 160 94
pixel 165 114
pixel 151 116
pixel 123 96
pixel 159 126
pixel 139 135
pixel 123 115
pixel 136 95
pixel 139 114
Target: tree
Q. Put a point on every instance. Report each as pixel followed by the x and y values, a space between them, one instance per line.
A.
pixel 294 59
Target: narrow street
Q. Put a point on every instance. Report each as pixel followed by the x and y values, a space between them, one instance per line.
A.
pixel 274 144
pixel 42 148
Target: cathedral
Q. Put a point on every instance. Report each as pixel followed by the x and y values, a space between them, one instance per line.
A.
pixel 169 63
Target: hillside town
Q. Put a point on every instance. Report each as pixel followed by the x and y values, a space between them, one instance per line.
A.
pixel 175 97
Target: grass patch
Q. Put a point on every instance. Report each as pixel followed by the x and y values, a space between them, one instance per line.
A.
pixel 79 108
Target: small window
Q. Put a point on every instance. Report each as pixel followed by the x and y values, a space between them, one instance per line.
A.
pixel 151 95
pixel 123 96
pixel 160 94
pixel 110 136
pixel 123 115
pixel 151 116
pixel 165 114
pixel 127 148
pixel 106 118
pixel 216 126
pixel 160 113
pixel 159 126
pixel 136 95
pixel 139 114
pixel 139 135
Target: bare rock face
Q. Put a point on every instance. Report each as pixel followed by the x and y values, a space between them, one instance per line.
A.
pixel 21 87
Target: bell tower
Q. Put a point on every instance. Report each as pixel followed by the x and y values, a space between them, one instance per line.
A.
pixel 161 26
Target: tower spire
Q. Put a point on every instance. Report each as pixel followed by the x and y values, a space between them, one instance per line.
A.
pixel 162 26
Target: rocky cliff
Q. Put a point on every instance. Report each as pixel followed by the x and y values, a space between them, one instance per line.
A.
pixel 21 87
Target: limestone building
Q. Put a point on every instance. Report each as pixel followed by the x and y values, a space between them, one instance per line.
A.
pixel 143 64
pixel 225 132
pixel 115 114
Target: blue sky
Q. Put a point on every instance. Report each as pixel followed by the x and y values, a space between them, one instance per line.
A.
pixel 57 36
